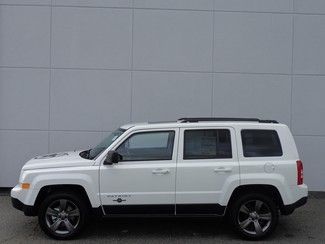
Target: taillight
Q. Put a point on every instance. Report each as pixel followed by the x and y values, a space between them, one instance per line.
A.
pixel 300 173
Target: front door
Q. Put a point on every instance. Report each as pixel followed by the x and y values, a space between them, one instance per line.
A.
pixel 144 181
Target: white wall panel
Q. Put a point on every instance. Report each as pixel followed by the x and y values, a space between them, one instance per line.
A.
pixel 26 2
pixel 175 4
pixel 93 3
pixel 24 98
pixel 310 6
pixel 91 37
pixel 243 95
pixel 172 40
pixel 73 140
pixel 163 96
pixel 309 39
pixel 308 105
pixel 252 42
pixel 25 36
pixel 255 5
pixel 89 99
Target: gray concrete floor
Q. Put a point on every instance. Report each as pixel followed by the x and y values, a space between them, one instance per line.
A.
pixel 307 224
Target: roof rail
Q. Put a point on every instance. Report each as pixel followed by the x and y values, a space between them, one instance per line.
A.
pixel 202 119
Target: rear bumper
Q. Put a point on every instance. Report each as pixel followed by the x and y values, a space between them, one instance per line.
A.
pixel 288 209
pixel 28 210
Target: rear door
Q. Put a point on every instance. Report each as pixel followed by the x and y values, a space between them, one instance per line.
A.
pixel 207 166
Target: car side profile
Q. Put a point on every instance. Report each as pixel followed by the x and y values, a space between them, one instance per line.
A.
pixel 247 170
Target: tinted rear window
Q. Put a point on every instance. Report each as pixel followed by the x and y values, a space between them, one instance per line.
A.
pixel 261 143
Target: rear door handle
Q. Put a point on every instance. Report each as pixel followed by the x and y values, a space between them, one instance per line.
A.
pixel 160 171
pixel 222 170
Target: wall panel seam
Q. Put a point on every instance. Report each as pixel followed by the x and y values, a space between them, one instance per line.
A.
pixel 292 63
pixel 164 9
pixel 132 44
pixel 50 81
pixel 212 65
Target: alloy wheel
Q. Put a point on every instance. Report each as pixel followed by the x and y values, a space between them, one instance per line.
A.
pixel 254 217
pixel 62 216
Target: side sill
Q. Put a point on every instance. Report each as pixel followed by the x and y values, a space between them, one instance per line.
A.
pixel 165 210
pixel 149 216
pixel 200 209
pixel 138 209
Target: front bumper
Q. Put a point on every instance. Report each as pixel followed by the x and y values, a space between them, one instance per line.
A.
pixel 28 210
pixel 288 209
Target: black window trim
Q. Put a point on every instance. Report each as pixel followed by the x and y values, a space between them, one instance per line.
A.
pixel 278 137
pixel 144 132
pixel 204 129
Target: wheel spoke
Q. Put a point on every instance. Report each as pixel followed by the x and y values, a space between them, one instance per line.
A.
pixel 74 212
pixel 63 204
pixel 258 228
pixel 258 205
pixel 55 225
pixel 245 223
pixel 266 216
pixel 52 212
pixel 68 225
pixel 244 209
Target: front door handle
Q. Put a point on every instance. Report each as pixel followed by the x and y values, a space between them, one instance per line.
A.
pixel 160 171
pixel 222 170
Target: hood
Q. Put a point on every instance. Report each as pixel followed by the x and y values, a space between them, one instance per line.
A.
pixel 57 160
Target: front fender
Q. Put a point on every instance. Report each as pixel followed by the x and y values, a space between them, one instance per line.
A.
pixel 89 181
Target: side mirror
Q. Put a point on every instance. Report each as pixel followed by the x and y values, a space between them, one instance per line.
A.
pixel 112 157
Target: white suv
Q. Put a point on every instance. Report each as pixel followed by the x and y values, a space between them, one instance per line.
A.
pixel 246 169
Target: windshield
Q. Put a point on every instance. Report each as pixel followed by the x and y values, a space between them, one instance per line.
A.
pixel 93 153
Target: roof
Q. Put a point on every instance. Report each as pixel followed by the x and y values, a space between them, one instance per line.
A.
pixel 184 122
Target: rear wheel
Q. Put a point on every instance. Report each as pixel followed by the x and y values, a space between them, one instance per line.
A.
pixel 254 216
pixel 62 215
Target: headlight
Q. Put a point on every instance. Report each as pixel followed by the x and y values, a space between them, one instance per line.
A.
pixel 23 180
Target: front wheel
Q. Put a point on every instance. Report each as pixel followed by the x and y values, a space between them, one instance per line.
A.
pixel 254 216
pixel 62 216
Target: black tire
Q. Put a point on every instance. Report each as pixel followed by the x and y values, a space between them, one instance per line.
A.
pixel 65 212
pixel 254 216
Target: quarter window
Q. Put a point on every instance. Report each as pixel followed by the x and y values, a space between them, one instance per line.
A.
pixel 207 144
pixel 261 143
pixel 146 146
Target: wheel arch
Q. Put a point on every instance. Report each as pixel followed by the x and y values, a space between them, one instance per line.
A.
pixel 66 188
pixel 265 189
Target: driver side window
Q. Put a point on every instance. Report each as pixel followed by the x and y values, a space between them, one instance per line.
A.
pixel 145 146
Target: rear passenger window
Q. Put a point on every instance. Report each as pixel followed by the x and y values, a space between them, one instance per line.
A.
pixel 206 144
pixel 261 143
